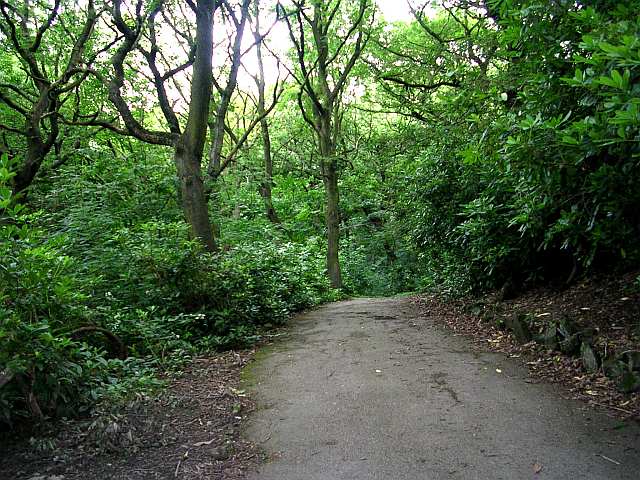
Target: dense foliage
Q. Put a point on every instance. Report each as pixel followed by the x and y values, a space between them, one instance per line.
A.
pixel 112 253
pixel 539 179
pixel 479 147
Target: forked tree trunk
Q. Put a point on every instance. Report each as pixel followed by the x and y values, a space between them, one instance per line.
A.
pixel 27 44
pixel 189 147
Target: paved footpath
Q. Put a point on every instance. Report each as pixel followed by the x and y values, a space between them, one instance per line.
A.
pixel 367 389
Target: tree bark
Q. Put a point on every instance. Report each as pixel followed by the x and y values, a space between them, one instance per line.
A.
pixel 267 182
pixel 192 195
pixel 37 148
pixel 189 146
pixel 332 218
pixel 324 89
pixel 28 169
pixel 329 170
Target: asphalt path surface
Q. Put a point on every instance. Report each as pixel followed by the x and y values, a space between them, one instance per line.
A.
pixel 369 389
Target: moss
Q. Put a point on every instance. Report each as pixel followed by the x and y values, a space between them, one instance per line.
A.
pixel 250 373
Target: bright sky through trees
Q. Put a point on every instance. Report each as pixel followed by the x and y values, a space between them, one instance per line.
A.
pixel 391 10
pixel 394 10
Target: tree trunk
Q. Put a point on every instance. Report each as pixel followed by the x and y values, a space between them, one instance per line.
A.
pixel 189 146
pixel 37 148
pixel 324 90
pixel 192 195
pixel 329 170
pixel 267 182
pixel 29 167
pixel 332 218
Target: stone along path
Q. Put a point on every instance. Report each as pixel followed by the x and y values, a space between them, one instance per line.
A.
pixel 367 389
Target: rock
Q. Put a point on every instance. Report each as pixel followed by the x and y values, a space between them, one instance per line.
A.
pixel 588 335
pixel 476 309
pixel 629 382
pixel 589 358
pixel 509 291
pixel 221 452
pixel 566 328
pixel 632 359
pixel 488 317
pixel 570 345
pixel 518 324
pixel 548 338
pixel 613 368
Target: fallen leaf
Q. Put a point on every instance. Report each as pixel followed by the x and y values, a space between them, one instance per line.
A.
pixel 199 444
pixel 537 468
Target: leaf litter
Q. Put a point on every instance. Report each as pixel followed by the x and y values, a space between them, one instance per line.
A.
pixel 190 431
pixel 608 305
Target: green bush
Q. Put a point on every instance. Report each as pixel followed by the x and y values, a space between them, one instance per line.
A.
pixel 40 300
pixel 98 263
pixel 544 183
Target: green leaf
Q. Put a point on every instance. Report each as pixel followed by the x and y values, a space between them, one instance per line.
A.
pixel 607 81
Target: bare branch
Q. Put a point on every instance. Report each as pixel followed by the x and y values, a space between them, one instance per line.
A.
pixel 11 129
pixel 45 26
pixel 13 105
pixel 115 84
pixel 422 86
pixel 158 79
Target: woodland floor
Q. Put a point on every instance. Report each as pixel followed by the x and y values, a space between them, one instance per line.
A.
pixel 374 388
pixel 191 431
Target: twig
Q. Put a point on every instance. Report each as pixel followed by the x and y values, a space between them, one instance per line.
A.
pixel 628 412
pixel 184 457
pixel 608 459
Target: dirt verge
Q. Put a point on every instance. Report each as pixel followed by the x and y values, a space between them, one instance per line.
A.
pixel 190 431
